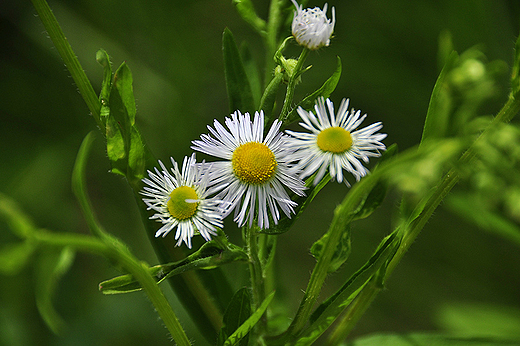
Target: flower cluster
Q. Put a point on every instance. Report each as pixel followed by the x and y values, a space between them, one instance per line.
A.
pixel 257 172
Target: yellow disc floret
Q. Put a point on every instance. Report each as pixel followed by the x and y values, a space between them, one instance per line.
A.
pixel 336 140
pixel 177 205
pixel 254 163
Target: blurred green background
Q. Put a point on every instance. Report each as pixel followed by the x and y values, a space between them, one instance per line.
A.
pixel 455 278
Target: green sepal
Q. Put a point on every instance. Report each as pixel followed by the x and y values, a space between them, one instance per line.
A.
pixel 210 255
pixel 52 265
pixel 341 253
pixel 329 310
pixel 242 331
pixel 237 312
pixel 247 12
pixel 237 83
pixel 324 91
pixel 439 109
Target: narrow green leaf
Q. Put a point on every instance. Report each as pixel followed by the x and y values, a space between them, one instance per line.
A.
pixel 242 331
pixel 325 91
pixel 237 312
pixel 267 102
pixel 136 158
pixel 106 86
pixel 237 83
pixel 426 339
pixel 329 310
pixel 209 255
pixel 52 266
pixel 14 257
pixel 341 253
pixel 252 72
pixel 439 110
pixel 123 84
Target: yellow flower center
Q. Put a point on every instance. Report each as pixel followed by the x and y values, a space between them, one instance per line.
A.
pixel 336 140
pixel 177 205
pixel 254 163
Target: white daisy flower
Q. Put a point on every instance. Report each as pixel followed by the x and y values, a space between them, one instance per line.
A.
pixel 251 180
pixel 311 28
pixel 180 200
pixel 334 142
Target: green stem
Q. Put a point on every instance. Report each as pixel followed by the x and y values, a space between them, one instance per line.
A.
pixel 256 273
pixel 116 251
pixel 289 96
pixel 69 58
pixel 367 295
pixel 271 37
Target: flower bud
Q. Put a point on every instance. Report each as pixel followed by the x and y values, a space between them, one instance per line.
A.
pixel 311 28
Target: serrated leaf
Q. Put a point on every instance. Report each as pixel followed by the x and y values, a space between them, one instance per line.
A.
pixel 238 86
pixel 341 253
pixel 324 91
pixel 242 331
pixel 209 255
pixel 237 312
pixel 426 339
pixel 439 109
pixel 14 257
pixel 51 267
pixel 328 311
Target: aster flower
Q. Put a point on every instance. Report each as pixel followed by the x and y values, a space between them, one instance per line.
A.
pixel 311 28
pixel 180 200
pixel 334 142
pixel 251 180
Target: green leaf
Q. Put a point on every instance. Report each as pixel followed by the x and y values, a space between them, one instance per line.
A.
pixel 209 255
pixel 252 72
pixel 242 331
pixel 329 310
pixel 425 339
pixel 52 266
pixel 14 257
pixel 267 102
pixel 237 83
pixel 324 91
pixel 125 147
pixel 106 86
pixel 341 253
pixel 439 110
pixel 475 211
pixel 237 312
